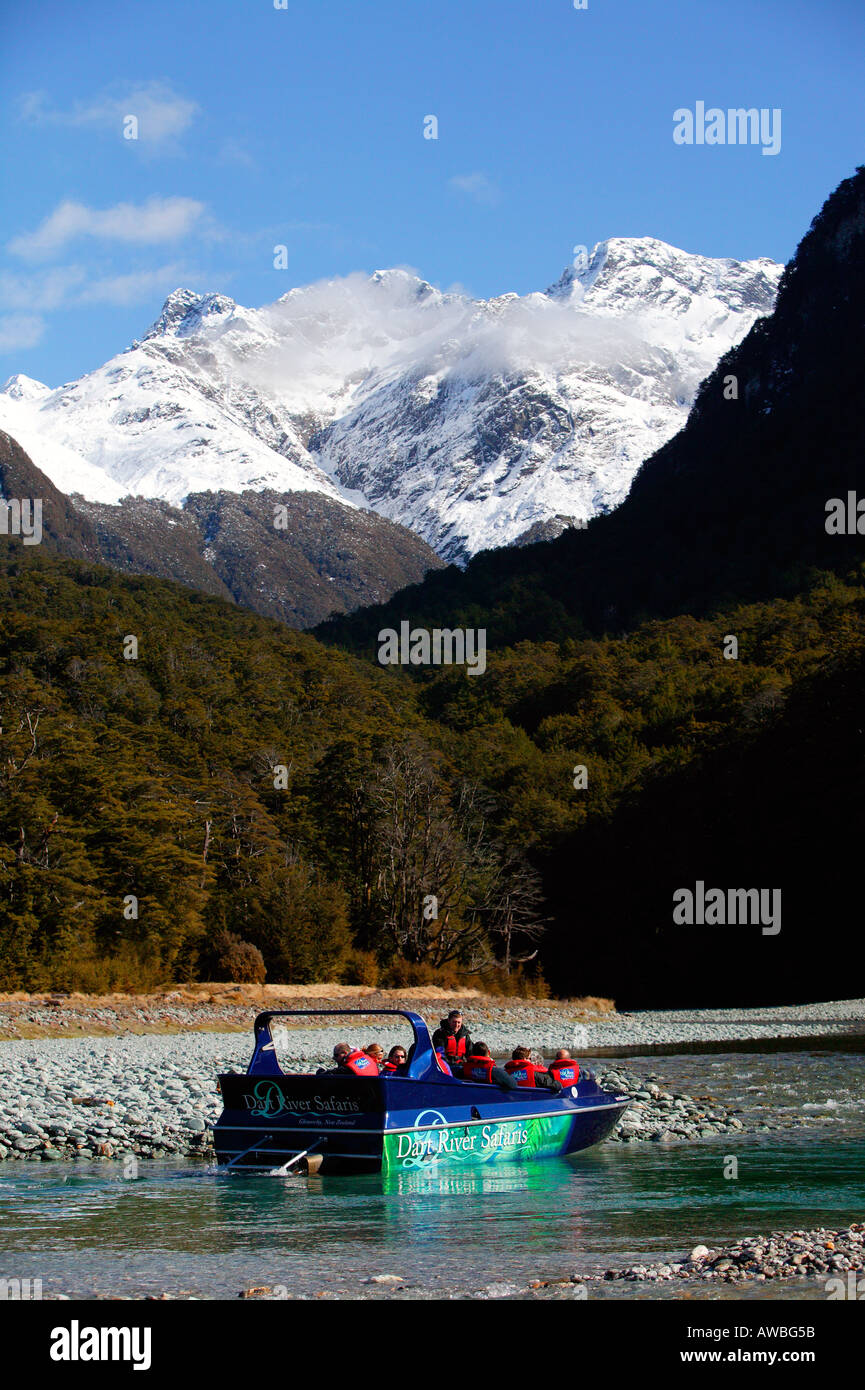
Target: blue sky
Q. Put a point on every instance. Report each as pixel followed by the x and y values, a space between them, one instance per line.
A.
pixel 304 127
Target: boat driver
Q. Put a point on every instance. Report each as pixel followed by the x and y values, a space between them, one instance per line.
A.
pixel 452 1038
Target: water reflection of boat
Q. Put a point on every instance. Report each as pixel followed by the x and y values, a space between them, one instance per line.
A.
pixel 468 1181
pixel 417 1122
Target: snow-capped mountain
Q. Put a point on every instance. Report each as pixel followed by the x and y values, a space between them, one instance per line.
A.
pixel 470 421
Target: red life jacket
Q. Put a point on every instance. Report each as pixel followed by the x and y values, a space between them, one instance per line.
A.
pixel 443 1065
pixel 525 1072
pixel 388 1066
pixel 360 1063
pixel 566 1071
pixel 454 1046
pixel 478 1069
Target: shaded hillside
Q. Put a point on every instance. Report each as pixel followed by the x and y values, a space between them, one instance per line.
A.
pixel 781 807
pixel 64 530
pixel 323 557
pixel 734 507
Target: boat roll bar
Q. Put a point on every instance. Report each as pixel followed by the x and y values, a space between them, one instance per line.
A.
pixel 264 1060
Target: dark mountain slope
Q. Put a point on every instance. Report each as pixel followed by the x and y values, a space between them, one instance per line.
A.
pixel 782 807
pixel 324 557
pixel 64 530
pixel 153 538
pixel 156 777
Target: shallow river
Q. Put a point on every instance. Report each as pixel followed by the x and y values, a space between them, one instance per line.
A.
pixel 181 1228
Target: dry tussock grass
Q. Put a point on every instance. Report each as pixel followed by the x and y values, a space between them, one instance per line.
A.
pixel 226 995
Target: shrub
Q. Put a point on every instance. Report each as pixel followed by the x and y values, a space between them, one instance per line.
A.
pixel 361 968
pixel 229 958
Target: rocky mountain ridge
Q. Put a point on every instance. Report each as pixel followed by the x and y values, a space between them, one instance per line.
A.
pixel 471 422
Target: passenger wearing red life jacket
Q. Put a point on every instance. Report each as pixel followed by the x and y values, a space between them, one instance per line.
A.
pixel 352 1061
pixel 481 1067
pixel 565 1069
pixel 478 1068
pixel 527 1073
pixel 452 1038
pixel 395 1059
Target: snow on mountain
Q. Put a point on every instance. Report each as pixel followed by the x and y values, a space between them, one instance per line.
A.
pixel 24 388
pixel 68 469
pixel 524 408
pixel 469 421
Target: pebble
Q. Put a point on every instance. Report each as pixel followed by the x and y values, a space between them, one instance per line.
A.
pixel 782 1255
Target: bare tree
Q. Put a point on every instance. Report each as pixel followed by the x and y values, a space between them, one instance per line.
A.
pixel 432 844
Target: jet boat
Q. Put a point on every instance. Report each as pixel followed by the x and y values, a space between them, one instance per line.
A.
pixel 415 1118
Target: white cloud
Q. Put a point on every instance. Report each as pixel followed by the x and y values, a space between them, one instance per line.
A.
pixel 47 290
pixel 63 287
pixel 162 113
pixel 477 186
pixel 136 287
pixel 157 220
pixel 371 328
pixel 18 331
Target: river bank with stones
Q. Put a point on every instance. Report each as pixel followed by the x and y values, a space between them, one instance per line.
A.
pixel 826 1254
pixel 155 1097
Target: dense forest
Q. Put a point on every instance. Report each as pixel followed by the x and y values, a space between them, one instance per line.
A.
pixel 224 796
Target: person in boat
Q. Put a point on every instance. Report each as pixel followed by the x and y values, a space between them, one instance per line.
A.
pixel 527 1073
pixel 350 1061
pixel 479 1066
pixel 564 1068
pixel 452 1038
pixel 376 1052
pixel 396 1058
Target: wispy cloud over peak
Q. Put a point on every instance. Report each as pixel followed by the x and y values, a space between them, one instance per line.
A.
pixel 157 220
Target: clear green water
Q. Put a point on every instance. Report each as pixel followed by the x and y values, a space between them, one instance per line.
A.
pixel 179 1227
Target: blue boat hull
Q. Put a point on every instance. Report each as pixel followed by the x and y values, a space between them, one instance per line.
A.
pixel 398 1124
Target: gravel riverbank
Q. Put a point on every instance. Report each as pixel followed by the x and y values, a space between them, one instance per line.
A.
pixel 150 1096
pixel 781 1255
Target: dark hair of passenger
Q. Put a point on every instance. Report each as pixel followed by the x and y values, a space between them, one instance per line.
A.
pixel 521 1054
pixel 480 1050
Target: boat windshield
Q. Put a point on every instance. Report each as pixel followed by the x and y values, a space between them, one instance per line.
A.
pixel 299 1043
pixel 305 1048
